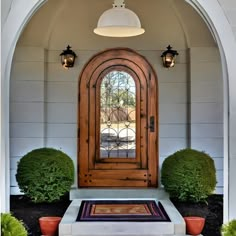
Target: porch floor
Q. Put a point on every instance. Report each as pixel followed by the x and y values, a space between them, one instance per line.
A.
pixel 69 226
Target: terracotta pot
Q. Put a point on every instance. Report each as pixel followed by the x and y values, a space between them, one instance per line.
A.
pixel 49 225
pixel 194 224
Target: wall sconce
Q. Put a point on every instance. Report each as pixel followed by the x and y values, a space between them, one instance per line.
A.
pixel 68 57
pixel 168 57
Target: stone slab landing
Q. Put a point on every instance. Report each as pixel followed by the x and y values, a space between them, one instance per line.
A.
pixel 69 226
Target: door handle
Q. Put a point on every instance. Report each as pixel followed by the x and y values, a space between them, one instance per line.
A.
pixel 152 124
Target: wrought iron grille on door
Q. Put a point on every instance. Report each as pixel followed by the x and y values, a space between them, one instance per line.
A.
pixel 117 115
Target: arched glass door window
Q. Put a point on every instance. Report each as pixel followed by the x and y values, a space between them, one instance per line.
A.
pixel 117 115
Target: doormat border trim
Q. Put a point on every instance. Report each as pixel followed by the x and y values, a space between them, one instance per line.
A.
pixel 157 210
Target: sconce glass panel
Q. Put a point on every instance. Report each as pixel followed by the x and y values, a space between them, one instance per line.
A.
pixel 168 57
pixel 68 57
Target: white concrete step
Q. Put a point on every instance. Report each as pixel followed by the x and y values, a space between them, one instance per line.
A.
pixel 69 226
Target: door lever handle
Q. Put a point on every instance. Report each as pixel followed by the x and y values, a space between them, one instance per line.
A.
pixel 152 124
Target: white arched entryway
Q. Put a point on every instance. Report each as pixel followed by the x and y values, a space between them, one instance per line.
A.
pixel 211 11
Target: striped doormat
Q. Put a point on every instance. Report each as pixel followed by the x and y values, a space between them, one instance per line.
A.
pixel 122 210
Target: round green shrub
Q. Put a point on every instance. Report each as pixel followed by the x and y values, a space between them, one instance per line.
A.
pixel 189 175
pixel 45 174
pixel 229 229
pixel 10 226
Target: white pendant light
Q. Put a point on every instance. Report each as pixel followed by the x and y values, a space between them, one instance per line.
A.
pixel 119 22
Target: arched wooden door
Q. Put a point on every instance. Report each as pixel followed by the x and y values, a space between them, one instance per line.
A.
pixel 117 121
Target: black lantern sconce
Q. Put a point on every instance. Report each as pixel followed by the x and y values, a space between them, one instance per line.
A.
pixel 168 57
pixel 68 57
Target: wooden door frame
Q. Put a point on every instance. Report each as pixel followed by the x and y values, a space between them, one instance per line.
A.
pixel 104 60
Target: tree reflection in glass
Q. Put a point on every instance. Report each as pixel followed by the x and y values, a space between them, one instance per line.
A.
pixel 117 116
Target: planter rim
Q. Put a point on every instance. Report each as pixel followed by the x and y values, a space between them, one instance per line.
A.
pixel 50 218
pixel 194 217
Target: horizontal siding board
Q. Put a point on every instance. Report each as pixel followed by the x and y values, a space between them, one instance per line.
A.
pixel 13 181
pixel 206 71
pixel 61 130
pixel 27 130
pixel 172 93
pixel 61 112
pixel 168 146
pixel 173 113
pixel 204 54
pixel 173 131
pixel 27 91
pixel 27 112
pixel 219 190
pixel 55 72
pixel 30 71
pixel 62 92
pixel 219 163
pixel 212 146
pixel 14 162
pixel 207 130
pixel 15 191
pixel 29 54
pixel 206 113
pixel 67 145
pixel 21 146
pixel 176 74
pixel 220 178
pixel 206 91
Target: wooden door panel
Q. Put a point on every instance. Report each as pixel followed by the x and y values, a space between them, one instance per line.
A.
pixel 107 174
pixel 116 166
pixel 140 170
pixel 122 178
pixel 110 174
pixel 120 183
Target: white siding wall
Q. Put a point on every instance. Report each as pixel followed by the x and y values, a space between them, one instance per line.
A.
pixel 173 104
pixel 44 106
pixel 27 97
pixel 62 102
pixel 206 102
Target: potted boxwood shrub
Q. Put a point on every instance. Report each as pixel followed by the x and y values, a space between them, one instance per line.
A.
pixel 12 226
pixel 229 229
pixel 189 176
pixel 45 175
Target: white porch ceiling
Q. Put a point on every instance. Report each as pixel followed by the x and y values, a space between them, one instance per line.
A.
pixel 62 22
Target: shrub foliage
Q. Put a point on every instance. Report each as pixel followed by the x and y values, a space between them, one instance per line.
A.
pixel 10 226
pixel 45 174
pixel 189 175
pixel 229 229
